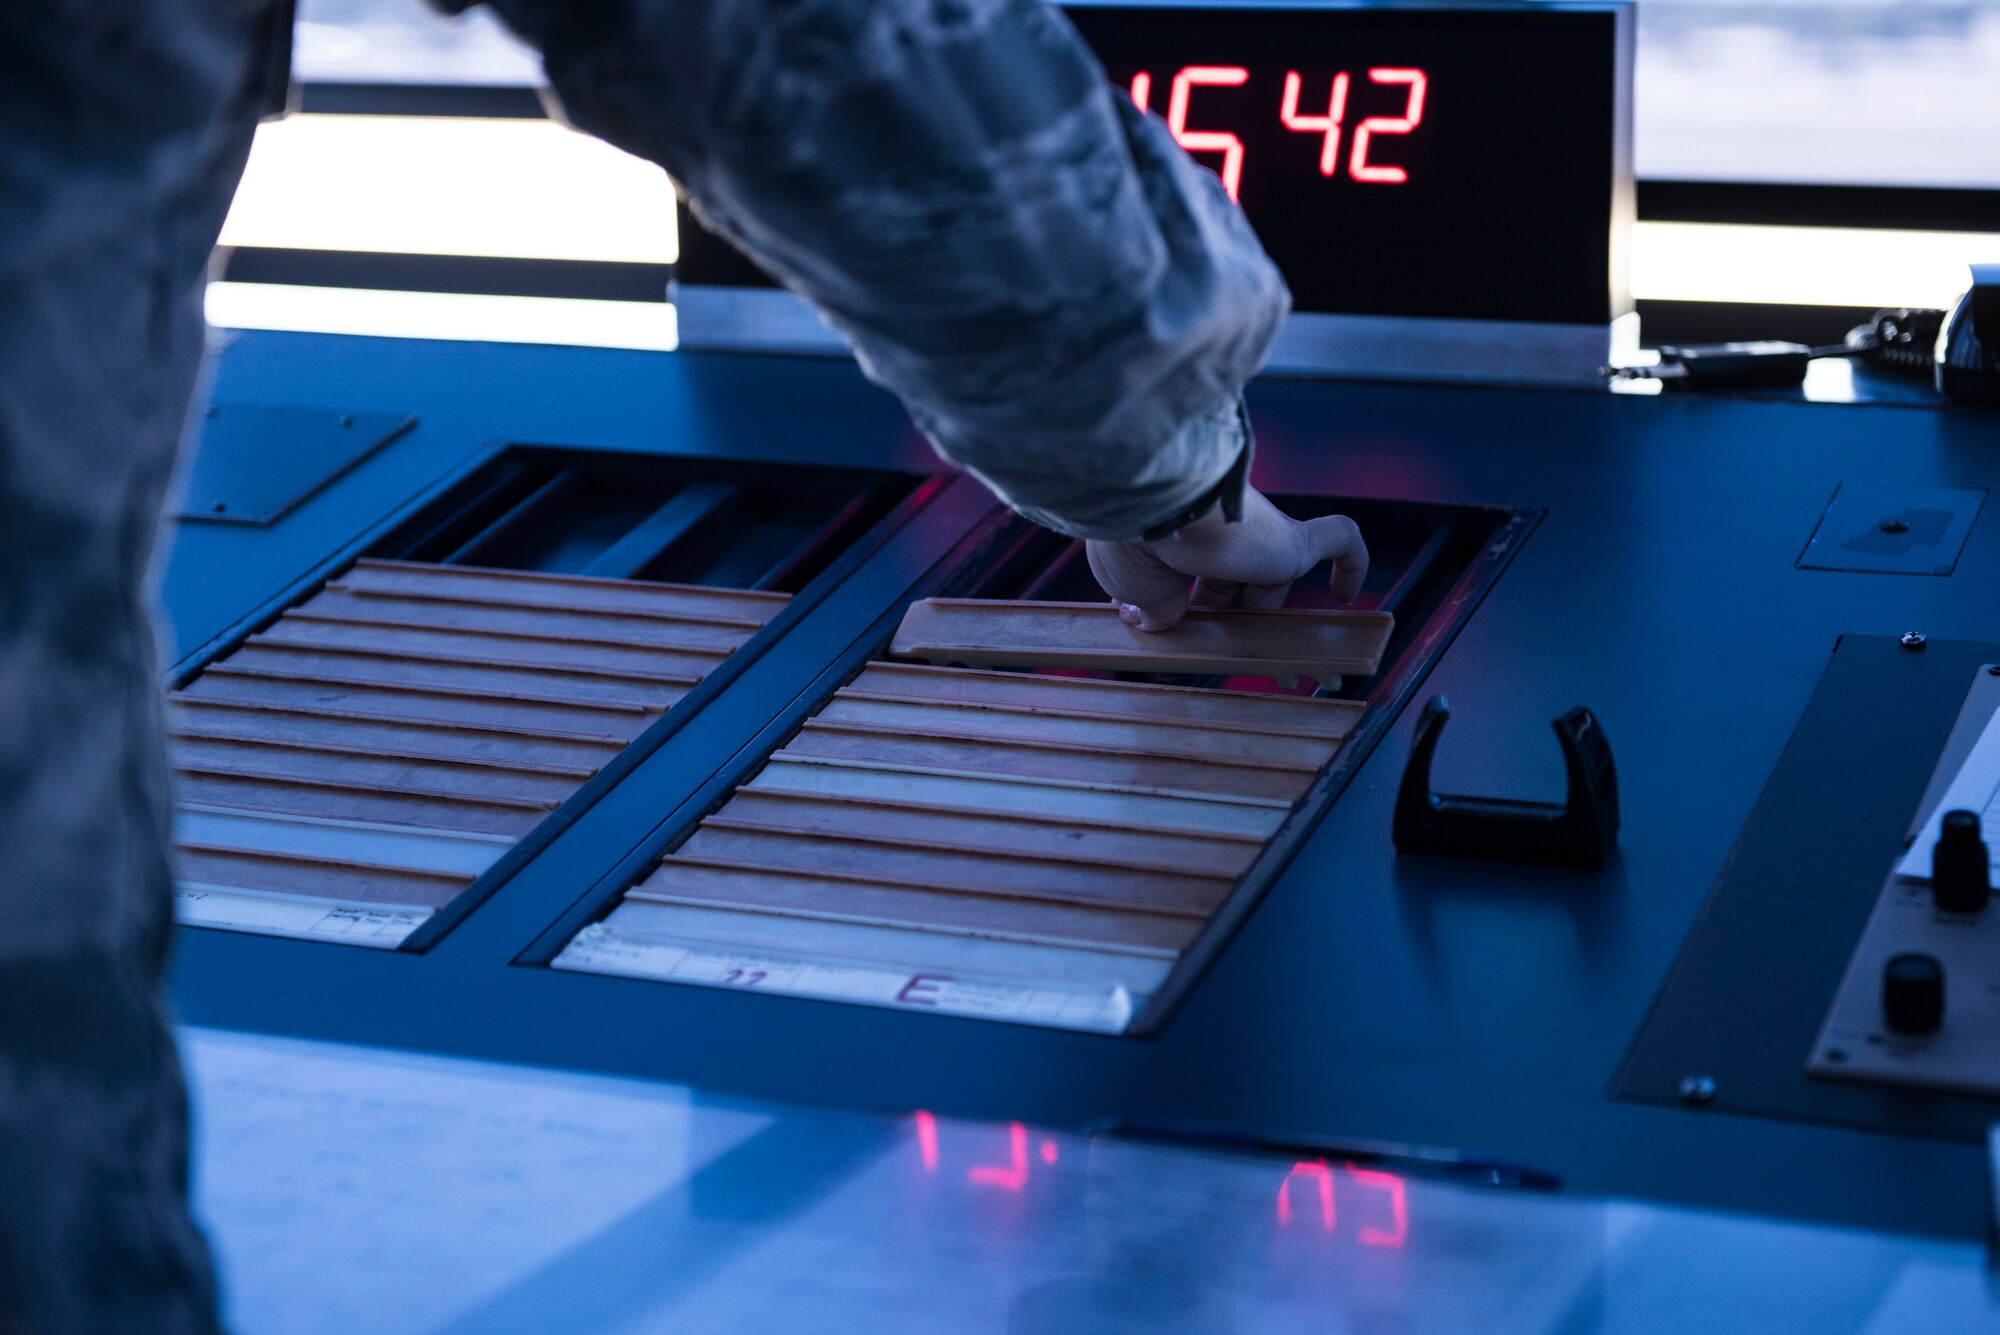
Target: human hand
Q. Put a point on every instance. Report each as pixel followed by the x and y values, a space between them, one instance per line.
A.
pixel 1252 563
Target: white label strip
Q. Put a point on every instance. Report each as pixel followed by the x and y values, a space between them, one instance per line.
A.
pixel 854 943
pixel 213 906
pixel 1097 1010
pixel 1976 787
pixel 413 847
pixel 1037 797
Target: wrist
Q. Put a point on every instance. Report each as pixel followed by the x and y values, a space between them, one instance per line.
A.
pixel 1220 504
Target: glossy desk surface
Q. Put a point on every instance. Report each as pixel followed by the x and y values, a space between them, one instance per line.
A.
pixel 348 1189
pixel 1467 1005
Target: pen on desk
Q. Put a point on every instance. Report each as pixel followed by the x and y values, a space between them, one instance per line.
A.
pixel 1418 1159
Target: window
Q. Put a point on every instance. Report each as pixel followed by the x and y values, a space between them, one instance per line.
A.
pixel 1847 92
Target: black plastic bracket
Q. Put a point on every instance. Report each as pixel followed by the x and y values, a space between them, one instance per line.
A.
pixel 1579 832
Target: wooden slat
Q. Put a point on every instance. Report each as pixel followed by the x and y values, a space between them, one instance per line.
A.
pixel 617 723
pixel 525 683
pixel 985 633
pixel 335 603
pixel 1143 809
pixel 583 593
pixel 371 842
pixel 986 871
pixel 1082 764
pixel 338 803
pixel 302 628
pixel 1242 711
pixel 680 880
pixel 315 878
pixel 196 738
pixel 192 716
pixel 1028 835
pixel 406 773
pixel 957 718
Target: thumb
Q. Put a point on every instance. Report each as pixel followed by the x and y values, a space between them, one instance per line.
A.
pixel 1337 538
pixel 1150 594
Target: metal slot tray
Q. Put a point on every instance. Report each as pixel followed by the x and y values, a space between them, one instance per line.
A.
pixel 1067 843
pixel 360 766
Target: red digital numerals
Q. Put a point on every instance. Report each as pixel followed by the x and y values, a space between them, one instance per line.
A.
pixel 1329 124
pixel 1378 1199
pixel 1314 1180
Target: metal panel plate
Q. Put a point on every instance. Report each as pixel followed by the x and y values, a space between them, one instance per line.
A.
pixel 254 464
pixel 1742 1007
pixel 1964 1054
pixel 1893 530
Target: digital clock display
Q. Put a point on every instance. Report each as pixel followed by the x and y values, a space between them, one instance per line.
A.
pixel 1463 163
pixel 1417 161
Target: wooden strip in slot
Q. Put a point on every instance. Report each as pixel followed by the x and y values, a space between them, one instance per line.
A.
pixel 336 603
pixel 531 683
pixel 456 851
pixel 754 932
pixel 418 789
pixel 1208 815
pixel 1033 836
pixel 981 870
pixel 834 898
pixel 613 722
pixel 192 716
pixel 567 775
pixel 990 633
pixel 303 629
pixel 448 778
pixel 334 802
pixel 355 648
pixel 316 878
pixel 1012 722
pixel 1239 711
pixel 525 588
pixel 841 741
pixel 1081 745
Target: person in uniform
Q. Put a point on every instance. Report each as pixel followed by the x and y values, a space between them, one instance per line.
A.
pixel 1065 302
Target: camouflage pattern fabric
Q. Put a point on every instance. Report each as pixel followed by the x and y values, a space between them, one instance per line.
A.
pixel 123 127
pixel 1065 302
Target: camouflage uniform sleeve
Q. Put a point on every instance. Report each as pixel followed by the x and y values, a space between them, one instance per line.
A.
pixel 124 125
pixel 1067 304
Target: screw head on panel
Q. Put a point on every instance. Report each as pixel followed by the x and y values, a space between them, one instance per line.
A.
pixel 1698 1089
pixel 1913 639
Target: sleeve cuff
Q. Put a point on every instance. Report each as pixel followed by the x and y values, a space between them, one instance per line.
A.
pixel 1215 452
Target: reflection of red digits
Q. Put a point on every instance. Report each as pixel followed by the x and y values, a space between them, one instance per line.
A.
pixel 927 1140
pixel 1015 1175
pixel 1142 91
pixel 1413 115
pixel 1399 1209
pixel 1206 141
pixel 1329 124
pixel 1323 1178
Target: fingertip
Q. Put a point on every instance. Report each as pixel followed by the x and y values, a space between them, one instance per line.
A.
pixel 1152 620
pixel 1130 615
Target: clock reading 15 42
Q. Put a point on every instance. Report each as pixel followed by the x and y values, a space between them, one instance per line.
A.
pixel 1328 124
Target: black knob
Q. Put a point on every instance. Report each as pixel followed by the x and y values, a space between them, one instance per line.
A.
pixel 1913 994
pixel 1960 866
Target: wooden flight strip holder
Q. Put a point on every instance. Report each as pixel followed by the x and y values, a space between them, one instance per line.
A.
pixel 350 769
pixel 952 833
